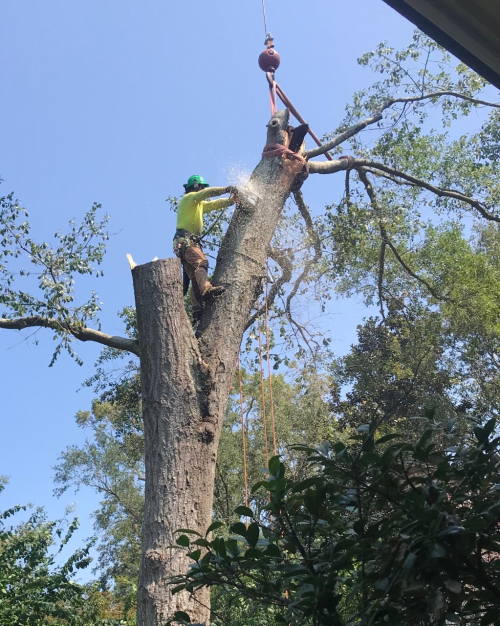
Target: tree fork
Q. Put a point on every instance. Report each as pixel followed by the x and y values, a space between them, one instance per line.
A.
pixel 186 381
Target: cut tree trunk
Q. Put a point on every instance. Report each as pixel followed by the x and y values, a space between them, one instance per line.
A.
pixel 186 381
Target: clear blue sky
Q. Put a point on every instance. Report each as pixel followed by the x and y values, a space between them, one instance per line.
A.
pixel 119 101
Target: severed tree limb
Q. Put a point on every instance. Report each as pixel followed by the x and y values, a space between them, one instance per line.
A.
pixel 81 333
pixel 330 167
pixel 283 260
pixel 376 116
pixel 385 239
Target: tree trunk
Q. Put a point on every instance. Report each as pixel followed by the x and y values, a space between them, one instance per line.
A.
pixel 180 466
pixel 186 382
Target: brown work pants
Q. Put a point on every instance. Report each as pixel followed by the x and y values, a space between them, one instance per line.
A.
pixel 195 264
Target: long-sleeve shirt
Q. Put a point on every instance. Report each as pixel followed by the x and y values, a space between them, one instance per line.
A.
pixel 193 205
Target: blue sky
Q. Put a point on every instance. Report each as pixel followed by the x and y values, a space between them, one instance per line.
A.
pixel 119 101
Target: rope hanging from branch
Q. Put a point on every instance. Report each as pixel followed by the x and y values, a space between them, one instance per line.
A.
pixel 243 434
pixel 269 377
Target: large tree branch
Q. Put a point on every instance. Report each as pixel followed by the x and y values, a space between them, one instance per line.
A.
pixel 330 167
pixel 385 239
pixel 347 134
pixel 439 94
pixel 81 333
pixel 377 116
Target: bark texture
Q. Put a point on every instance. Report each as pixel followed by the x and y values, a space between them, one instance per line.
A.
pixel 179 465
pixel 186 381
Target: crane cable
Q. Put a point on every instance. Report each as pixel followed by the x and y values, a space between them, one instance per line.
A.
pixel 264 15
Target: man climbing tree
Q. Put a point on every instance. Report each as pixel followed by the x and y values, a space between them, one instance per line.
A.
pixel 187 246
pixel 186 380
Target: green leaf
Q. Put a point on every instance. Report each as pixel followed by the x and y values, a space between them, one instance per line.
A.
pixel 273 551
pixel 409 562
pixel 201 542
pixel 181 616
pixel 239 529
pixel 252 534
pixel 182 541
pixel 308 482
pixel 388 437
pixel 244 510
pixel 253 553
pixel 453 585
pixel 187 531
pixel 213 526
pixel 195 555
pixel 274 465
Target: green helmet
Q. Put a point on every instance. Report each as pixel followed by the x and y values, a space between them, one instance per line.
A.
pixel 196 181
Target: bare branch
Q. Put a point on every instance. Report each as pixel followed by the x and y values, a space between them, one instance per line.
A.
pixel 377 116
pixel 304 211
pixel 306 216
pixel 282 259
pixel 439 94
pixel 80 333
pixel 385 239
pixel 347 134
pixel 438 191
pixel 380 282
pixel 331 167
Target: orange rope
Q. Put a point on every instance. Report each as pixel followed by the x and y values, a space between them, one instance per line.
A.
pixel 244 438
pixel 270 380
pixel 263 398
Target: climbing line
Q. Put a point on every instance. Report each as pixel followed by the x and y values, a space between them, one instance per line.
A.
pixel 243 436
pixel 264 420
pixel 269 377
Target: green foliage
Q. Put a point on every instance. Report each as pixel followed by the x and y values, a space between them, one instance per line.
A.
pixel 382 531
pixel 301 413
pixel 112 462
pixel 36 585
pixel 53 270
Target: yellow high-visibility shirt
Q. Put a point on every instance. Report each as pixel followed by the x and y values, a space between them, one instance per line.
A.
pixel 193 205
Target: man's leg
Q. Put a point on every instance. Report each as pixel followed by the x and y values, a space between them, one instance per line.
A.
pixel 185 281
pixel 196 301
pixel 198 263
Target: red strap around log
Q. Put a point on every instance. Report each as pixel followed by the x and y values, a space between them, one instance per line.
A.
pixel 276 149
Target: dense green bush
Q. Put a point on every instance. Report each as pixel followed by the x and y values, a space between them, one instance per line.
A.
pixel 381 532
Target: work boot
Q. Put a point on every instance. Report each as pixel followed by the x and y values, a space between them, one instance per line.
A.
pixel 212 292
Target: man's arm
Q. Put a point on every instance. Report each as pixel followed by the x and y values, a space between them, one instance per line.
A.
pixel 213 205
pixel 209 192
